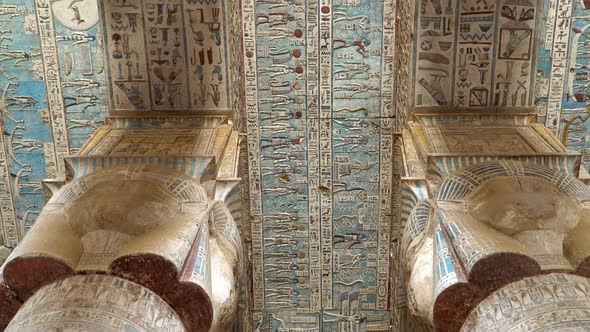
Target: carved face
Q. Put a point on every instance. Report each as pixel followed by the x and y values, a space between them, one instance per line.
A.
pixel 516 204
pixel 127 206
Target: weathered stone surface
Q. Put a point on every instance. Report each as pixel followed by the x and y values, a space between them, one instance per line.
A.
pixel 492 222
pixel 143 219
pixel 554 302
pixel 25 275
pixel 9 304
pixel 95 303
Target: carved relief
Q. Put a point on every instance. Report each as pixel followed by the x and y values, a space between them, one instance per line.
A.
pixel 95 303
pixel 319 89
pixel 491 224
pixel 169 55
pixel 549 303
pixel 474 54
pixel 151 226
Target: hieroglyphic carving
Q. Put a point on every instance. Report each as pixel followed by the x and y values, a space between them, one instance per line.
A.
pixel 313 153
pixel 387 141
pixel 403 63
pixel 206 25
pixel 562 74
pixel 385 211
pixel 514 79
pixel 485 58
pixel 165 52
pixel 328 44
pixel 559 58
pixel 10 231
pixel 22 97
pixel 53 82
pixel 552 302
pixel 52 76
pixel 322 127
pixel 237 94
pixel 435 39
pixel 253 147
pixel 116 304
pixel 167 55
pixel 126 68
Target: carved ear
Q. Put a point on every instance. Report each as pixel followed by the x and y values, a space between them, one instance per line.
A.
pixel 225 230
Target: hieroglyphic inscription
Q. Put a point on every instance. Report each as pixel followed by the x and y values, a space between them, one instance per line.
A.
pixel 7 209
pixel 387 124
pixel 117 304
pixel 254 167
pixel 322 127
pixel 167 55
pixel 55 99
pixel 313 155
pixel 473 53
pixel 325 136
pixel 552 302
pixel 562 74
pixel 559 56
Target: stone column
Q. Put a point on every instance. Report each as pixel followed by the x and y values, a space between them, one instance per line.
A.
pixel 497 237
pixel 144 219
pixel 97 303
pixel 553 302
pixel 145 211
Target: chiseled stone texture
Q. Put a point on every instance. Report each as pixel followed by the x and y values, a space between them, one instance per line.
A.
pixel 95 303
pixel 554 302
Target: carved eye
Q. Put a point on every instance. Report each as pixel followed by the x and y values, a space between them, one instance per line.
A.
pixel 480 65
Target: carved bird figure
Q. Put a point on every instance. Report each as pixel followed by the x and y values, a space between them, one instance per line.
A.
pixel 77 15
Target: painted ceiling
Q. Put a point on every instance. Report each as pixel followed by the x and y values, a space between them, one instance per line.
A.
pixel 53 97
pixel 319 106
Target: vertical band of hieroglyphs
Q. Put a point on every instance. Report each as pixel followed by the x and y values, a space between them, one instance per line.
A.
pixel 387 124
pixel 562 90
pixel 559 60
pixel 254 167
pixel 313 156
pixel 325 134
pixel 325 119
pixel 167 55
pixel 54 167
pixel 7 209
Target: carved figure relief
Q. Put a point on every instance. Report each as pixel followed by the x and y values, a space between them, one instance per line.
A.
pixel 151 226
pixel 511 220
pixel 490 61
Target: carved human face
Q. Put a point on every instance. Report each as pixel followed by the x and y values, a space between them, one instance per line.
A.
pixel 517 204
pixel 127 206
